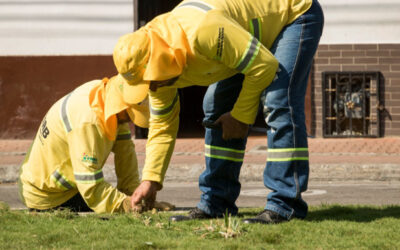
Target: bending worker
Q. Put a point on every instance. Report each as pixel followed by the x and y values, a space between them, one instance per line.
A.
pixel 63 167
pixel 252 50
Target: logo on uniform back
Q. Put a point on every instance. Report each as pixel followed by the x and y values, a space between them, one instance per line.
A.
pixel 44 130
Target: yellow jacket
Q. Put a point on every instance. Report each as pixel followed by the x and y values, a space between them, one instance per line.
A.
pixel 68 154
pixel 224 37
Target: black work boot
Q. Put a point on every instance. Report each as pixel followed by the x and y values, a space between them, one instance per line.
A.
pixel 266 217
pixel 194 214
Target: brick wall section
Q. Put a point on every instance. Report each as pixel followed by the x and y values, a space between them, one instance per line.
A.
pixel 29 85
pixel 360 57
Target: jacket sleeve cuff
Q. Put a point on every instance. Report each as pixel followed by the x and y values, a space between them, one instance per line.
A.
pixel 246 120
pixel 150 176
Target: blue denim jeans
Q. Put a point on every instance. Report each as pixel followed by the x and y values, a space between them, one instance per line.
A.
pixel 287 168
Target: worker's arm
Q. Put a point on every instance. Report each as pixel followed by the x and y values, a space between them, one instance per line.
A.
pixel 222 39
pixel 164 123
pixel 126 165
pixel 89 149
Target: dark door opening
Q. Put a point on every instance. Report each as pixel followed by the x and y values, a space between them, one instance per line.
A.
pixel 191 98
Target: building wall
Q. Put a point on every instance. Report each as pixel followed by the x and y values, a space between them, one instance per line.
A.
pixel 48 47
pixel 63 27
pixel 361 21
pixel 384 58
pixel 30 85
pixel 360 35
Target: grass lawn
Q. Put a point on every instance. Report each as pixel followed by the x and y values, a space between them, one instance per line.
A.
pixel 326 227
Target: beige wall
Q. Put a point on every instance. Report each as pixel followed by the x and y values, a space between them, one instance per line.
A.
pixel 63 27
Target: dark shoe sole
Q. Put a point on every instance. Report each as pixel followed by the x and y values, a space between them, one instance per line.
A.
pixel 265 217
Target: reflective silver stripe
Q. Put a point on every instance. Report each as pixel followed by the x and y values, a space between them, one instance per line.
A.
pixel 61 180
pixel 224 153
pixel 202 6
pixel 288 154
pixel 165 110
pixel 253 48
pixel 124 137
pixel 256 28
pixel 90 177
pixel 64 114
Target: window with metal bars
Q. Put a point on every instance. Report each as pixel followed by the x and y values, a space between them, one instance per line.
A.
pixel 350 104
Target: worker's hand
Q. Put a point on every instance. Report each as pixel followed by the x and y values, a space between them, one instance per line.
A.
pixel 232 128
pixel 127 207
pixel 146 192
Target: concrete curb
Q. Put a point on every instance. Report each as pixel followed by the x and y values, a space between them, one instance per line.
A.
pixel 254 172
pixel 318 172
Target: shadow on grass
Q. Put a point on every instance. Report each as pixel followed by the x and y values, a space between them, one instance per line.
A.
pixel 353 213
pixel 334 212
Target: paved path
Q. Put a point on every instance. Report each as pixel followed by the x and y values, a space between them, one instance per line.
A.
pixel 187 194
pixel 330 159
pixel 343 171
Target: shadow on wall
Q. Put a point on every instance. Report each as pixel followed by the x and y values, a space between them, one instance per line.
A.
pixel 383 112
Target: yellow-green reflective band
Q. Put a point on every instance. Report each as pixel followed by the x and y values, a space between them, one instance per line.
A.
pixel 124 136
pixel 255 28
pixel 89 177
pixel 165 111
pixel 62 181
pixel 197 5
pixel 64 114
pixel 288 154
pixel 224 153
pixel 251 52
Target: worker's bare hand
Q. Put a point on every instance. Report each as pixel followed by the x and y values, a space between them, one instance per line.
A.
pixel 232 128
pixel 146 192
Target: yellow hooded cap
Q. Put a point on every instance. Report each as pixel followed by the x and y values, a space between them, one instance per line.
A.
pixel 140 114
pixel 106 99
pixel 155 52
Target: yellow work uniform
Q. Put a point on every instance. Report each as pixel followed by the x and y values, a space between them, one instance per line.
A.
pixel 225 37
pixel 68 154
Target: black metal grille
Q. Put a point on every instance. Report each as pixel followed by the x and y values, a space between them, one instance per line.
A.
pixel 350 104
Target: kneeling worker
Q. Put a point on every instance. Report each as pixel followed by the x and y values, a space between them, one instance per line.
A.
pixel 63 168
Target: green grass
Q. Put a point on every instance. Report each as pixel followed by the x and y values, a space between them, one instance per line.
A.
pixel 326 227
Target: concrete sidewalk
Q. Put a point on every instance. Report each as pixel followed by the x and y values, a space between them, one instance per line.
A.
pixel 343 171
pixel 375 159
